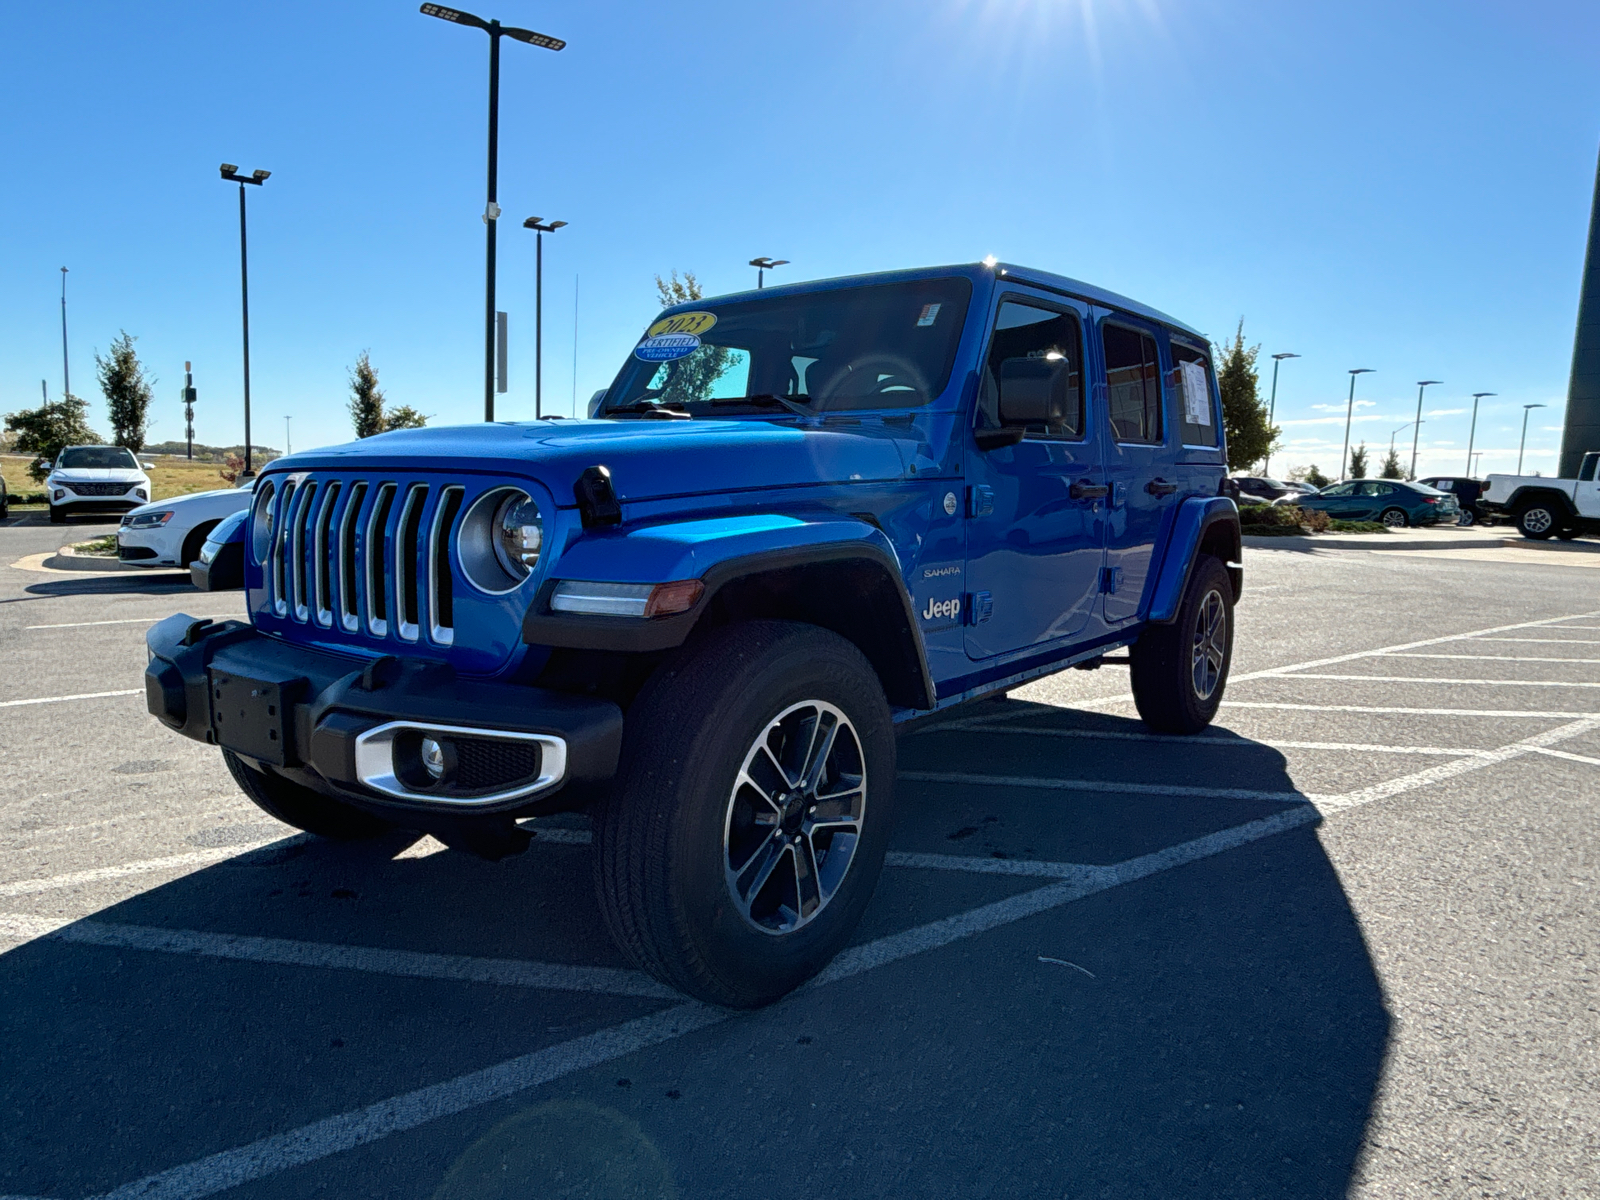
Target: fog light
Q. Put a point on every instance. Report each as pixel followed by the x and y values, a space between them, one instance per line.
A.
pixel 433 758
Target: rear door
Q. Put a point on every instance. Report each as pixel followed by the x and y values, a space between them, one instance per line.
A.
pixel 1035 529
pixel 1140 458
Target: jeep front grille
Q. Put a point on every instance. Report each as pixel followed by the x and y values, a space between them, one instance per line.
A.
pixel 364 556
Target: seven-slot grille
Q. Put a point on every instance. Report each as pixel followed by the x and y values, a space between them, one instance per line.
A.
pixel 363 556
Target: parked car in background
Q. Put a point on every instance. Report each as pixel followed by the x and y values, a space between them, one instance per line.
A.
pixel 1393 502
pixel 170 533
pixel 5 499
pixel 1541 506
pixel 95 479
pixel 1468 493
pixel 1261 489
pixel 220 566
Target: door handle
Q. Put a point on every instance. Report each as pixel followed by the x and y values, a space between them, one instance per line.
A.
pixel 1160 487
pixel 1087 491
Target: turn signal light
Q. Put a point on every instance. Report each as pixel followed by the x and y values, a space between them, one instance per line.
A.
pixel 668 598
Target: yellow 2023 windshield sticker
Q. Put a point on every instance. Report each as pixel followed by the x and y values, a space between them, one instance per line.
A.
pixel 689 322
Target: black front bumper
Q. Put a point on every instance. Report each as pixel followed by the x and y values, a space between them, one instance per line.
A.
pixel 300 712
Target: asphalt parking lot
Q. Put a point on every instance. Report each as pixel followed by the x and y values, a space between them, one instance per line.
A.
pixel 1344 944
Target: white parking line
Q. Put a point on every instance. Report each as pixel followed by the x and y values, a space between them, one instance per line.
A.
pixel 408 964
pixel 1545 641
pixel 320 1139
pixel 1583 758
pixel 175 862
pixel 64 699
pixel 1452 682
pixel 135 621
pixel 1492 657
pixel 1412 712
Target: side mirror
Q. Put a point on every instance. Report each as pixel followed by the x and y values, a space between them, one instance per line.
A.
pixel 1033 391
pixel 144 466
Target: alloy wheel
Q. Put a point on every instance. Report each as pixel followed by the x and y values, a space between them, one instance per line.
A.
pixel 794 817
pixel 1210 644
pixel 1394 519
pixel 1537 520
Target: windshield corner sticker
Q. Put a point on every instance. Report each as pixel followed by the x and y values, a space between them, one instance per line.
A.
pixel 930 314
pixel 666 347
pixel 689 322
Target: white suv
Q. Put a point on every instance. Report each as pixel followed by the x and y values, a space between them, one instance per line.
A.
pixel 95 479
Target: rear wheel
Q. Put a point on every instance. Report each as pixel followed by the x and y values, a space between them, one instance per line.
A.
pixel 1395 518
pixel 301 807
pixel 1466 518
pixel 1537 520
pixel 751 813
pixel 1567 534
pixel 1179 670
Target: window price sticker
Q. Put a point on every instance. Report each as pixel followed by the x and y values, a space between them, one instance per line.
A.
pixel 1196 395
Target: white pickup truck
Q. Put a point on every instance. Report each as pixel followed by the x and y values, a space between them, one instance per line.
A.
pixel 1541 506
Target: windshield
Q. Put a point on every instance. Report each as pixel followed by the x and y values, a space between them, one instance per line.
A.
pixel 96 457
pixel 887 345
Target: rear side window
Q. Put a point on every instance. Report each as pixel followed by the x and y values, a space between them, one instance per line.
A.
pixel 1133 384
pixel 1190 382
pixel 1036 350
pixel 1586 471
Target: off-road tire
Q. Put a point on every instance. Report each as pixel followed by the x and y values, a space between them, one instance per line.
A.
pixel 1394 518
pixel 661 858
pixel 1538 520
pixel 193 543
pixel 1163 664
pixel 301 807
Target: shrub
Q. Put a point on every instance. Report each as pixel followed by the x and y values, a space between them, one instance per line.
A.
pixel 1315 519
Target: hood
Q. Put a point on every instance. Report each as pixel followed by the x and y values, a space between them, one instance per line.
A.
pixel 98 475
pixel 648 459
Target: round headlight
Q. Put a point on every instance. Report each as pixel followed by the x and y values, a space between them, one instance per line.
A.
pixel 518 535
pixel 500 540
pixel 261 523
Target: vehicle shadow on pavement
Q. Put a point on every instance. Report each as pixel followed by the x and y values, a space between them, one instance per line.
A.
pixel 1217 1029
pixel 164 583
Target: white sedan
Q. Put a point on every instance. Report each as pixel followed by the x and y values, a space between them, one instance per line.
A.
pixel 170 533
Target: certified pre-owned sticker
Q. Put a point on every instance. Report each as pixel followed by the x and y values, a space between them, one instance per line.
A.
pixel 665 347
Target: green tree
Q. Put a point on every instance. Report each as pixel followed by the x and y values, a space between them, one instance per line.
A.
pixel 366 398
pixel 1391 466
pixel 403 416
pixel 691 378
pixel 1358 461
pixel 1244 415
pixel 43 431
pixel 127 391
pixel 1309 475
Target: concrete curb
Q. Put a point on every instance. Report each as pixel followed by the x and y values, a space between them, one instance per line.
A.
pixel 1381 541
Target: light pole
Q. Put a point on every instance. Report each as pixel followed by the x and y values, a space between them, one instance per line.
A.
pixel 1523 443
pixel 66 384
pixel 288 441
pixel 1272 407
pixel 1474 470
pixel 763 265
pixel 539 231
pixel 188 411
pixel 1421 386
pixel 491 212
pixel 1350 408
pixel 1473 432
pixel 231 174
pixel 1407 425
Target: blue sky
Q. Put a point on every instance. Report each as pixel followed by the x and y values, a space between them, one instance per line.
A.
pixel 1403 186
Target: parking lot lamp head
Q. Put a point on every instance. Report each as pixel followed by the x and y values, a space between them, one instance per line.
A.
pixel 1272 406
pixel 1526 408
pixel 1350 408
pixel 1472 433
pixel 763 265
pixel 540 227
pixel 1422 386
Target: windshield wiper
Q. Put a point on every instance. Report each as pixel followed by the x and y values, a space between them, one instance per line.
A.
pixel 646 408
pixel 768 400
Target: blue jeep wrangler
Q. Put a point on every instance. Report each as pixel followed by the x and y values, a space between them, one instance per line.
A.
pixel 798 518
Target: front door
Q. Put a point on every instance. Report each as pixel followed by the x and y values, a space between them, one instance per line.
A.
pixel 1035 510
pixel 1139 459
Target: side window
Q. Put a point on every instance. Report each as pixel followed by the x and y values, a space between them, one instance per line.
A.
pixel 1034 373
pixel 1375 489
pixel 1586 469
pixel 1191 385
pixel 1339 489
pixel 1133 384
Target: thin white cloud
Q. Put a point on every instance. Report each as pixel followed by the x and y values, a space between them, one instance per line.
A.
pixel 1445 412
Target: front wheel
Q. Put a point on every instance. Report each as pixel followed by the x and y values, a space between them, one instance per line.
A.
pixel 751 812
pixel 1537 521
pixel 1179 670
pixel 1395 518
pixel 57 517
